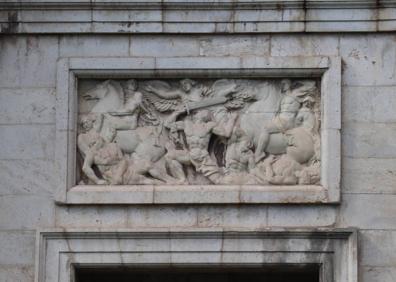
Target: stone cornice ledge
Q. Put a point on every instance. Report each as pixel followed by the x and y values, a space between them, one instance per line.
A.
pixel 200 17
pixel 210 4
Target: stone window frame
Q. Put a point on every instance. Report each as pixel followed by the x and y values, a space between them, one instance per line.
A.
pixel 69 70
pixel 61 251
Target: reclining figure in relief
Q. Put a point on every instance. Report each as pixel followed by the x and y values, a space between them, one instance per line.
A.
pixel 225 131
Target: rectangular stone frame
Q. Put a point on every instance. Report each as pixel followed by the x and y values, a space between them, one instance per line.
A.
pixel 60 251
pixel 328 69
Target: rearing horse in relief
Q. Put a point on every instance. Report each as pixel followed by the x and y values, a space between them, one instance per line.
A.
pixel 111 99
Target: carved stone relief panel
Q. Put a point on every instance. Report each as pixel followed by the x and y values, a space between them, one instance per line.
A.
pixel 199 131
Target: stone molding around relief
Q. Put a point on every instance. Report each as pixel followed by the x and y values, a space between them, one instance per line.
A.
pixel 60 251
pixel 238 175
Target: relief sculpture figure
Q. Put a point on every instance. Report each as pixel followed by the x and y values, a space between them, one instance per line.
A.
pixel 200 131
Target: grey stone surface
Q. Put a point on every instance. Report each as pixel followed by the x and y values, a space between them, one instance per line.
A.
pixel 17 247
pixel 27 141
pixel 369 175
pixel 27 105
pixel 304 45
pixel 378 103
pixel 26 212
pixel 377 248
pixel 367 60
pixel 296 216
pixel 164 46
pixel 234 45
pixel 16 177
pixel 28 61
pixel 90 46
pixel 91 216
pixel 383 274
pixel 368 211
pixel 369 140
pixel 204 17
pixel 233 217
pixel 16 273
pixel 162 216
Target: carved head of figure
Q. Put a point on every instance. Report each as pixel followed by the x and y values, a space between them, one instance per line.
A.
pixel 187 84
pixel 131 85
pixel 98 92
pixel 87 121
pixel 285 85
pixel 308 102
pixel 304 88
pixel 202 116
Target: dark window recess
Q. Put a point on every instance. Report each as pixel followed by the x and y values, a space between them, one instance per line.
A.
pixel 304 273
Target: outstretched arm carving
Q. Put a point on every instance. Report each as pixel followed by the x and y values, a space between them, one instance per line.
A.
pixel 165 94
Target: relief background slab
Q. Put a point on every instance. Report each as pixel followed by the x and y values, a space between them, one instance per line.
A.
pixel 199 131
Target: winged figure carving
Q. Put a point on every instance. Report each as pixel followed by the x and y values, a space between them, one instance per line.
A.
pixel 161 95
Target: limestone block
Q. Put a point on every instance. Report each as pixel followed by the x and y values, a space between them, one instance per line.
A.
pixel 90 216
pixel 27 105
pixel 164 46
pixel 54 27
pixel 107 63
pixel 304 45
pixel 299 216
pixel 234 45
pixel 26 212
pixel 79 46
pixel 264 27
pixel 34 177
pixel 259 15
pixel 189 27
pixel 340 14
pixel 383 274
pixel 126 15
pixel 368 60
pixel 17 273
pixel 378 248
pixel 370 140
pixel 28 61
pixel 201 62
pixel 162 216
pixel 27 141
pixel 341 26
pixel 49 15
pixel 387 25
pixel 368 175
pixel 127 27
pixel 17 247
pixel 374 211
pixel 233 217
pixel 369 104
pixel 197 15
pixel 100 194
pixel 196 194
pixel 388 22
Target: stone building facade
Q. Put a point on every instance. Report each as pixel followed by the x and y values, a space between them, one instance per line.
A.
pixel 50 220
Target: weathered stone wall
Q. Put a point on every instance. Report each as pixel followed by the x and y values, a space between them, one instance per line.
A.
pixel 27 142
